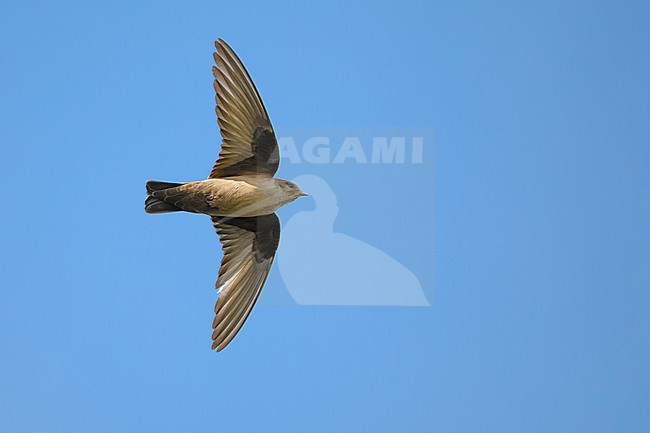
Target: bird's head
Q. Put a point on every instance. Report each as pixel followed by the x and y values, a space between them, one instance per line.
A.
pixel 290 189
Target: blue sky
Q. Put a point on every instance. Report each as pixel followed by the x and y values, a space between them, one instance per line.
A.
pixel 526 223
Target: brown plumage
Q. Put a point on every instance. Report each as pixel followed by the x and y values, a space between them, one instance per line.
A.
pixel 240 195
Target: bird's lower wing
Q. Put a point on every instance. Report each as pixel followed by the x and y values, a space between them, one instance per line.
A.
pixel 249 246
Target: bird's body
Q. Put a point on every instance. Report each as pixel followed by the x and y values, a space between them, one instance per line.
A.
pixel 229 197
pixel 240 195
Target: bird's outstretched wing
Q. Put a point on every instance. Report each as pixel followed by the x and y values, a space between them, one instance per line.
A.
pixel 249 146
pixel 249 245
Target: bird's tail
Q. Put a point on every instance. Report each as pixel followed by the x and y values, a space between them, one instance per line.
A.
pixel 155 205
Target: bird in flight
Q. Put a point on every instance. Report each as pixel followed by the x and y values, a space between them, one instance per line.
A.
pixel 240 195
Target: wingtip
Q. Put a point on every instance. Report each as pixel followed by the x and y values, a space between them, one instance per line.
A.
pixel 220 42
pixel 217 347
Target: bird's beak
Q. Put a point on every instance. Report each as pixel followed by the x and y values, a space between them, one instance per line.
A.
pixel 302 194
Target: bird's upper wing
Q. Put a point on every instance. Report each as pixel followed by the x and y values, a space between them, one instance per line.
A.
pixel 249 146
pixel 249 245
